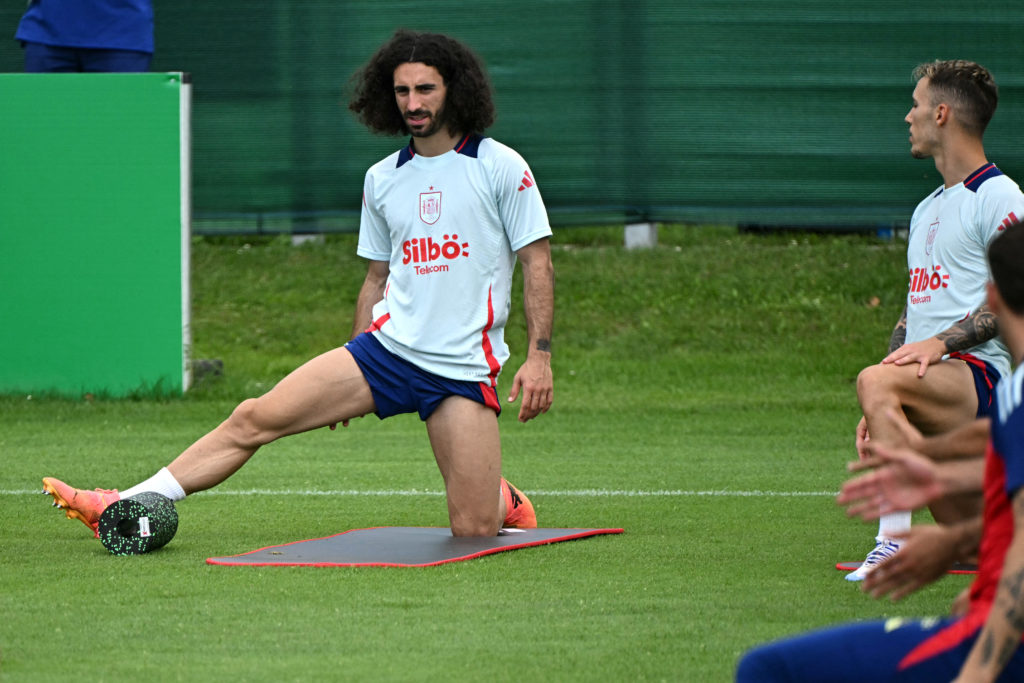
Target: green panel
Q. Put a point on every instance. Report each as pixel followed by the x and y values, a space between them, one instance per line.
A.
pixel 726 110
pixel 91 251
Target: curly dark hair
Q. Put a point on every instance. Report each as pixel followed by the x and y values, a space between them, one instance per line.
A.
pixel 469 105
pixel 966 86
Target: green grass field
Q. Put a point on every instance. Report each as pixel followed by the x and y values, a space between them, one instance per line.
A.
pixel 704 402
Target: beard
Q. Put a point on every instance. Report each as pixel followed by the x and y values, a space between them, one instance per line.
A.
pixel 434 124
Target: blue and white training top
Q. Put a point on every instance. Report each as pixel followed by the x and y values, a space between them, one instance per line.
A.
pixel 946 255
pixel 449 227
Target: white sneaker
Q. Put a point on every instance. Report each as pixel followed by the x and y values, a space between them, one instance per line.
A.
pixel 884 549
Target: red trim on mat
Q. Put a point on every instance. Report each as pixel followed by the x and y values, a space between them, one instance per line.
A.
pixel 489 551
pixel 850 566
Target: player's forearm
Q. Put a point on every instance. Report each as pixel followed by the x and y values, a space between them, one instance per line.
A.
pixel 961 476
pixel 370 293
pixel 538 296
pixel 967 441
pixel 977 328
pixel 539 311
pixel 1001 636
pixel 965 538
pixel 361 319
pixel 899 333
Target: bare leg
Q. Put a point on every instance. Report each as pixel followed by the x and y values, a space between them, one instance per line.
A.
pixel 328 389
pixel 467 447
pixel 943 399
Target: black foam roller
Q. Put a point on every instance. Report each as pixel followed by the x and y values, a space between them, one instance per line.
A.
pixel 137 525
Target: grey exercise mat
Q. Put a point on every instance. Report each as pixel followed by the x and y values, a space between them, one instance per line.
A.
pixel 399 546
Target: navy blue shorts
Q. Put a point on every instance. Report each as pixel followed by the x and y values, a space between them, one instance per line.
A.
pixel 985 378
pixel 41 58
pixel 398 386
pixel 924 650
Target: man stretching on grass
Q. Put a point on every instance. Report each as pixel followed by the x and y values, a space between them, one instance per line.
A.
pixel 982 642
pixel 943 357
pixel 443 220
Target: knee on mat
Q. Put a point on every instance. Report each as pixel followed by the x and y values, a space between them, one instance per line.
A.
pixel 475 527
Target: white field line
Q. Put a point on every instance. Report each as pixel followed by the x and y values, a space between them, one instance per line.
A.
pixel 580 493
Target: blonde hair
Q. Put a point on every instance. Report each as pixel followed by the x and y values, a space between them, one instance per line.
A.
pixel 967 87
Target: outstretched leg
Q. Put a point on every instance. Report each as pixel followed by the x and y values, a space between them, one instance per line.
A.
pixel 326 390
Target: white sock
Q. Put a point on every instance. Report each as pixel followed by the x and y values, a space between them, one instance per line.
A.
pixel 163 482
pixel 893 524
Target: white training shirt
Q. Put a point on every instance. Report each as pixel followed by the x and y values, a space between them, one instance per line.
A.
pixel 449 227
pixel 946 255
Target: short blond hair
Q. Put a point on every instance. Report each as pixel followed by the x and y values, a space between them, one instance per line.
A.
pixel 965 86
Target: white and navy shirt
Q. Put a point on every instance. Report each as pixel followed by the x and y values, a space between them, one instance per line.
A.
pixel 449 227
pixel 946 255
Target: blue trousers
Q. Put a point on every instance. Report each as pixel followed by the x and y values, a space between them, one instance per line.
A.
pixel 41 58
pixel 872 651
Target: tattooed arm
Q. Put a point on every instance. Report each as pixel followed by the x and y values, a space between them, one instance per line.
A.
pixel 973 330
pixel 534 377
pixel 899 333
pixel 1001 636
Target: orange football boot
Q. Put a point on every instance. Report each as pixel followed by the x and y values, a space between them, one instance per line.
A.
pixel 519 510
pixel 79 503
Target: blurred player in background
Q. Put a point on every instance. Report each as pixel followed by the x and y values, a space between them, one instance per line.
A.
pixel 443 221
pixel 944 358
pixel 87 36
pixel 981 640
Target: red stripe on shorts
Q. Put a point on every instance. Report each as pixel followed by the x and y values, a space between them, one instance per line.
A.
pixel 978 363
pixel 490 397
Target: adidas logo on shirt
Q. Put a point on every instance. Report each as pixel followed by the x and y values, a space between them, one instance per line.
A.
pixel 526 182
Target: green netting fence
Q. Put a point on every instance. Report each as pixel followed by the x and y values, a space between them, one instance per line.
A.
pixel 762 112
